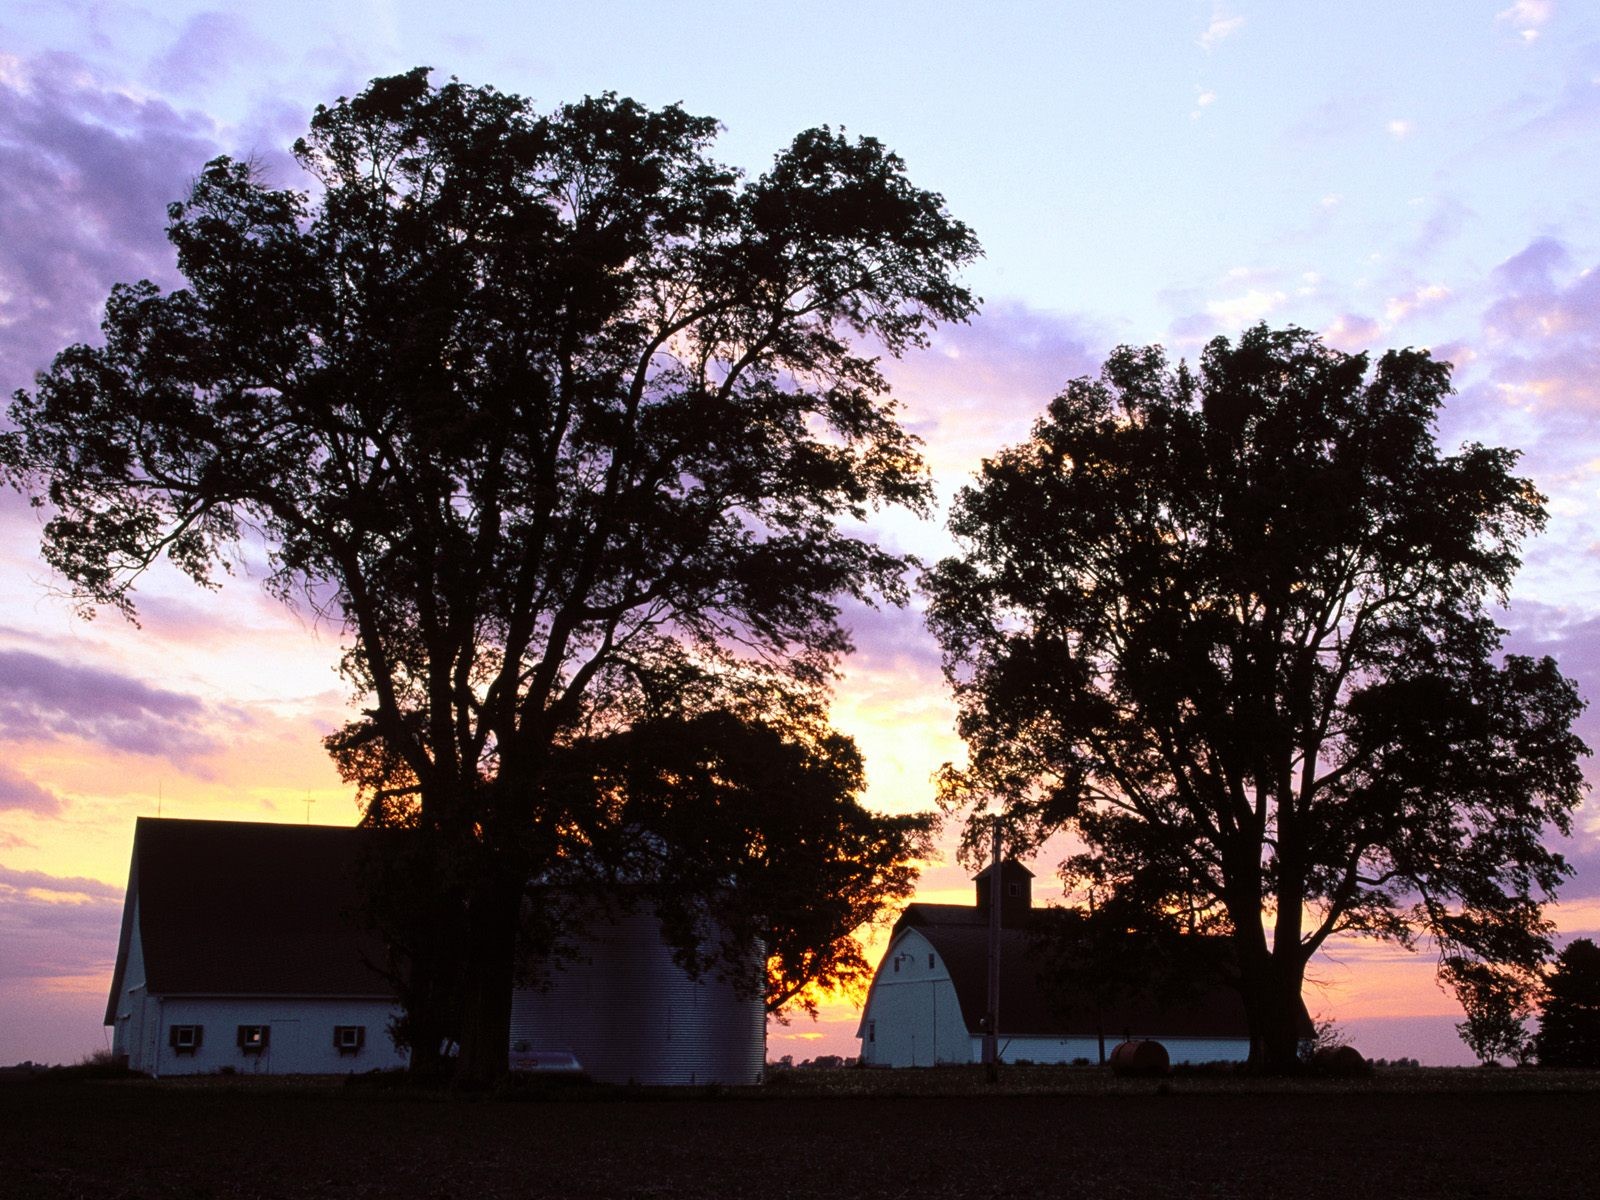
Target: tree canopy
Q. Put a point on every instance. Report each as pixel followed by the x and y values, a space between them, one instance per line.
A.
pixel 1231 628
pixel 729 823
pixel 555 414
pixel 1569 1013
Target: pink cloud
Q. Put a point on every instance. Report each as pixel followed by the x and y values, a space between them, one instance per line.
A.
pixel 979 387
pixel 1353 333
pixel 18 792
pixel 1546 322
pixel 1532 368
pixel 889 638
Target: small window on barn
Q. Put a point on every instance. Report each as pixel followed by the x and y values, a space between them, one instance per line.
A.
pixel 930 960
pixel 872 1031
pixel 184 1039
pixel 253 1039
pixel 1014 890
pixel 897 964
pixel 348 1039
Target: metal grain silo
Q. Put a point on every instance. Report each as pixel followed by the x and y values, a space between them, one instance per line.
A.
pixel 631 1014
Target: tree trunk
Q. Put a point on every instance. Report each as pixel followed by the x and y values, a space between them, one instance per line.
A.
pixel 423 934
pixel 1272 1006
pixel 490 971
pixel 430 1001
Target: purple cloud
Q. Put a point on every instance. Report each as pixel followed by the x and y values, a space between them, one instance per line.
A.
pixel 19 792
pixel 892 639
pixel 54 927
pixel 208 49
pixel 979 387
pixel 86 173
pixel 1544 324
pixel 42 698
pixel 1570 114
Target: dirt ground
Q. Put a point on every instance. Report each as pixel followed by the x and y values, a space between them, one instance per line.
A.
pixel 844 1134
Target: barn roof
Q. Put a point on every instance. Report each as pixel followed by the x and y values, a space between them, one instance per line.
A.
pixel 248 908
pixel 960 935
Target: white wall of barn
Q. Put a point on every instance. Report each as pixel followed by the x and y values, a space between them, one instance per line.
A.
pixel 912 1017
pixel 1039 1049
pixel 300 1038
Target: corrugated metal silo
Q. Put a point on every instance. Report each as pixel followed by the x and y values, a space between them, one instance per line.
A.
pixel 632 1014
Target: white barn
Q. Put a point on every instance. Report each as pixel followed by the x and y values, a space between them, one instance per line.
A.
pixel 928 997
pixel 242 950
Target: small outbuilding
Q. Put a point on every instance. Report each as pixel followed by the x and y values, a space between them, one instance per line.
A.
pixel 928 997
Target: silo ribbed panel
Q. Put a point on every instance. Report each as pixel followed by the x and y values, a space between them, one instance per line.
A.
pixel 631 1014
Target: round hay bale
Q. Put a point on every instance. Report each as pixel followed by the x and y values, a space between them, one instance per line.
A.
pixel 1344 1062
pixel 1143 1057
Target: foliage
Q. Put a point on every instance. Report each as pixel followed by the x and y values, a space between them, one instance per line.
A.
pixel 1326 1035
pixel 550 413
pixel 1497 1004
pixel 730 823
pixel 1569 1017
pixel 1098 958
pixel 1230 628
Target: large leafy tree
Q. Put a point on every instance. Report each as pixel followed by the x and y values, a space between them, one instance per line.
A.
pixel 1230 629
pixel 551 412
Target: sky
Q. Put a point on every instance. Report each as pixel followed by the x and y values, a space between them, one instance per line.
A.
pixel 1418 174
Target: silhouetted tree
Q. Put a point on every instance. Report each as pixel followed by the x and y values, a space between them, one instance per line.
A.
pixel 1230 628
pixel 1497 1003
pixel 547 411
pixel 1569 1018
pixel 738 832
pixel 1095 959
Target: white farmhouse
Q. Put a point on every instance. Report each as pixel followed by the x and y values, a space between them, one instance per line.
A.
pixel 928 997
pixel 242 950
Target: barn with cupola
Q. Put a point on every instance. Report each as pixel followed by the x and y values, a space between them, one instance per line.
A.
pixel 243 951
pixel 928 998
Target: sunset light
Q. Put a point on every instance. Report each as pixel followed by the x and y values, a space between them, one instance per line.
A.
pixel 1380 175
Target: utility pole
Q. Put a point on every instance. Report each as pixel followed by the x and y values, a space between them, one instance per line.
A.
pixel 991 1022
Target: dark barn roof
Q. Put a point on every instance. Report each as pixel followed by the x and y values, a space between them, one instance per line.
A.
pixel 246 908
pixel 960 935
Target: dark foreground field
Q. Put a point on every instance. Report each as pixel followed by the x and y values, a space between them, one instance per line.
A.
pixel 844 1134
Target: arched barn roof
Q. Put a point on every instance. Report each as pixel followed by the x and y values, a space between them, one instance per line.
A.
pixel 1204 1008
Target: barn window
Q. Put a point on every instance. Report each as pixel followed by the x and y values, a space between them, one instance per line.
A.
pixel 348 1039
pixel 897 964
pixel 930 960
pixel 184 1039
pixel 872 1031
pixel 253 1039
pixel 1014 890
